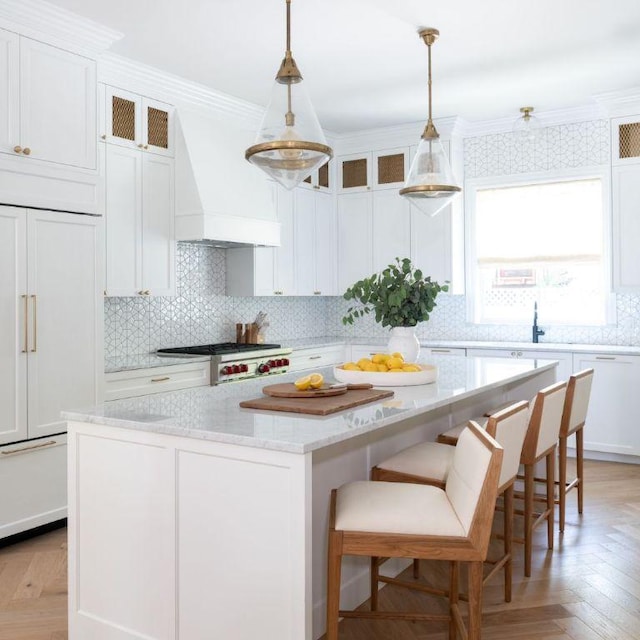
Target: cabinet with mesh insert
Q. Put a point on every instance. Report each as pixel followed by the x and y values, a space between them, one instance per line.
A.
pixel 138 122
pixel 625 202
pixel 382 169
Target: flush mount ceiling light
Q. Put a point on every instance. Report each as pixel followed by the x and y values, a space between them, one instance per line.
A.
pixel 290 143
pixel 527 126
pixel 430 185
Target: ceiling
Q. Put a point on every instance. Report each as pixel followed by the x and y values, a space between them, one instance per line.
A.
pixel 364 64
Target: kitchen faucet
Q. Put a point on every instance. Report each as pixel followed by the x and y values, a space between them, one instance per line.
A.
pixel 536 332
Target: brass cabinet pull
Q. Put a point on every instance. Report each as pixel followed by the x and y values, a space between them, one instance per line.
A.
pixel 25 298
pixel 17 148
pixel 277 293
pixel 144 292
pixel 163 379
pixel 35 324
pixel 605 357
pixel 26 151
pixel 29 448
pixel 317 293
pixel 440 350
pixel 315 357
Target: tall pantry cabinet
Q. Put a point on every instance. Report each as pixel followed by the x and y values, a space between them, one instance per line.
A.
pixel 50 353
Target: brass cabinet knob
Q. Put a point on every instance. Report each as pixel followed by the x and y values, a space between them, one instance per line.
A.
pixel 140 146
pixel 317 293
pixel 103 136
pixel 144 292
pixel 146 146
pixel 26 151
pixel 17 148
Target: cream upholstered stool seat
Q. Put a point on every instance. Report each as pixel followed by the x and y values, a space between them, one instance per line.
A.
pixel 430 462
pixel 574 417
pixel 399 520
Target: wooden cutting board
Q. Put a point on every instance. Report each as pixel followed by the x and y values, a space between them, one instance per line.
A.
pixel 289 390
pixel 318 406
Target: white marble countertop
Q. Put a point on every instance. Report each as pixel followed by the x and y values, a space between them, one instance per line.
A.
pixel 147 361
pixel 212 413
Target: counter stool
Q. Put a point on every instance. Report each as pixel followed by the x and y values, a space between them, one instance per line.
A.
pixel 402 520
pixel 573 420
pixel 430 462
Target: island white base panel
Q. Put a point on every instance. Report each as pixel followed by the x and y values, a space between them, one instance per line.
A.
pixel 174 538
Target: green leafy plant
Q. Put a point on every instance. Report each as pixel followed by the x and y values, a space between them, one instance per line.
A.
pixel 399 296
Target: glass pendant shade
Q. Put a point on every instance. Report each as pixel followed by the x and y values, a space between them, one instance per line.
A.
pixel 290 144
pixel 430 185
pixel 527 127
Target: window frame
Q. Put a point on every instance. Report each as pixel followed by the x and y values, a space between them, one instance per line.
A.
pixel 472 186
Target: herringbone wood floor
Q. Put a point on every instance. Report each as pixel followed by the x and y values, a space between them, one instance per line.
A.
pixel 588 588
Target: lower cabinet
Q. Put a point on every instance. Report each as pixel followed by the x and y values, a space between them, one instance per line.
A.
pixel 143 382
pixel 316 357
pixel 33 482
pixel 614 403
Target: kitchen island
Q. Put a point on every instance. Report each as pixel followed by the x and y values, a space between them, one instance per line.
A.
pixel 193 519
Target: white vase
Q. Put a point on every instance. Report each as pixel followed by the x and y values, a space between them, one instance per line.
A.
pixel 404 340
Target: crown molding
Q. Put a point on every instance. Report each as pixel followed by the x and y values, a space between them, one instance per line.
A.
pixel 620 103
pixel 43 21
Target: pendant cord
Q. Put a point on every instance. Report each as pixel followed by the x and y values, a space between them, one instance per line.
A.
pixel 289 26
pixel 429 121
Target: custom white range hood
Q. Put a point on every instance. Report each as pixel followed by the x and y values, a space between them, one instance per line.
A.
pixel 221 199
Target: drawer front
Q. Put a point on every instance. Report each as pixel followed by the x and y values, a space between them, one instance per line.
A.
pixel 143 382
pixel 34 477
pixel 315 358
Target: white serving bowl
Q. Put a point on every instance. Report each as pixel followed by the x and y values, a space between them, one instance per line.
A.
pixel 427 375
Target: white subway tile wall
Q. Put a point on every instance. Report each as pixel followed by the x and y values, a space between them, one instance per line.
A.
pixel 202 314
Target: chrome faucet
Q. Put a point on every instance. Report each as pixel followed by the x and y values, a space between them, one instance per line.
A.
pixel 536 332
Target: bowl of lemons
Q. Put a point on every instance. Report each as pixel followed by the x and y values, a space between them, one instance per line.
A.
pixel 386 370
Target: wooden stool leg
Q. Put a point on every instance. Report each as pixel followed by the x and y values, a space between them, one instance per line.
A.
pixel 528 517
pixel 416 568
pixel 508 542
pixel 475 601
pixel 454 573
pixel 551 509
pixel 333 584
pixel 580 466
pixel 562 481
pixel 374 583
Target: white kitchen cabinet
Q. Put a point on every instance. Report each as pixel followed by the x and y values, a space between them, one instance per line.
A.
pixel 139 208
pixel 316 240
pixel 355 247
pixel 316 357
pixel 33 477
pixel 33 126
pixel 266 271
pixel 565 360
pixel 380 169
pixel 138 122
pixel 143 382
pixel 391 228
pixel 321 179
pixel 614 403
pixel 51 320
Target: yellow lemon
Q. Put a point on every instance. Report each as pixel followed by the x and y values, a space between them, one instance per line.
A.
pixel 382 367
pixel 380 358
pixel 396 371
pixel 316 380
pixel 394 363
pixel 302 384
pixel 369 366
pixel 362 362
pixel 352 366
pixel 397 354
pixel 411 367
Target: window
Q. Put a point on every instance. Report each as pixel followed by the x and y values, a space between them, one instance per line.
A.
pixel 538 242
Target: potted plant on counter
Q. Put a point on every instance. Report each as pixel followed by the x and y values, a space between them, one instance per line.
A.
pixel 400 297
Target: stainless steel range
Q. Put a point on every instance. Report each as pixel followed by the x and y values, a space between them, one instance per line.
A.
pixel 236 361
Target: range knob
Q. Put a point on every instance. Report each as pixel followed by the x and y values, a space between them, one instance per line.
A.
pixel 285 362
pixel 225 371
pixel 244 368
pixel 264 368
pixel 236 368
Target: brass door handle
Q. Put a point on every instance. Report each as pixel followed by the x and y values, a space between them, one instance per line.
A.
pixel 35 324
pixel 25 299
pixel 26 151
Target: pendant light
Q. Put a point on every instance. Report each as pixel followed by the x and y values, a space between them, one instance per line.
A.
pixel 527 126
pixel 430 185
pixel 290 143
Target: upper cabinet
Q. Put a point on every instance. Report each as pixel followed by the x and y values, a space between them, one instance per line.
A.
pixel 625 202
pixel 33 125
pixel 383 169
pixel 135 121
pixel 321 179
